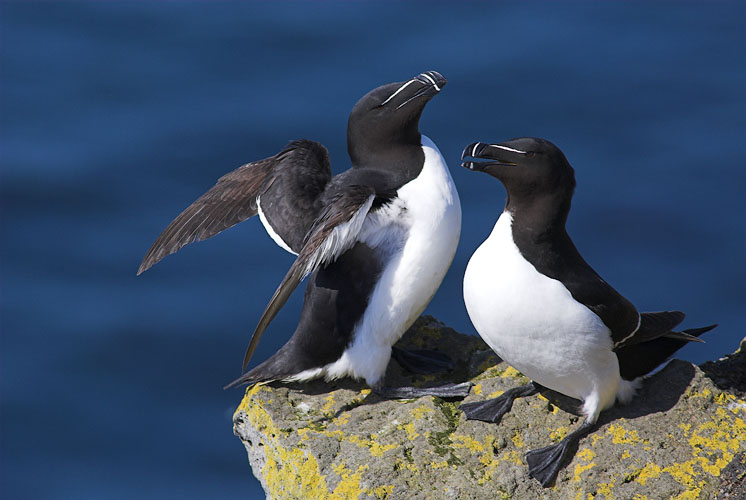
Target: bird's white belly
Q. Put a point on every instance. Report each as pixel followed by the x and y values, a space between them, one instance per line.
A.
pixel 417 236
pixel 533 323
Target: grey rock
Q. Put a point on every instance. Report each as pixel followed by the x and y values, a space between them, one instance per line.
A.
pixel 682 437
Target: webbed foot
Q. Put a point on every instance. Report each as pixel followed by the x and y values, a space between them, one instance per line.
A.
pixel 545 463
pixel 492 410
pixel 443 391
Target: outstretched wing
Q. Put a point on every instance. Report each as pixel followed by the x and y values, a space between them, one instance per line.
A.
pixel 334 232
pixel 234 198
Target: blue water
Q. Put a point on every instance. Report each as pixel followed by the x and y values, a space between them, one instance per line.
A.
pixel 115 116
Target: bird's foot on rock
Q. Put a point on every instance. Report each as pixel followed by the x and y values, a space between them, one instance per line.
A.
pixel 545 463
pixel 492 410
pixel 442 391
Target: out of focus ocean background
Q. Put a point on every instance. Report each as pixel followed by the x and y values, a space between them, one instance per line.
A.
pixel 115 116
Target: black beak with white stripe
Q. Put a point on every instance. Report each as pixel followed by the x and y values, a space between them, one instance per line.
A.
pixel 349 233
pixel 500 155
pixel 544 310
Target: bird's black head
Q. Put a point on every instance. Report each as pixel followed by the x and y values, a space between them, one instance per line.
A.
pixel 387 118
pixel 533 171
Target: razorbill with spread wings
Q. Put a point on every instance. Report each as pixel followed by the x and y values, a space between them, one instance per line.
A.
pixel 376 240
pixel 544 310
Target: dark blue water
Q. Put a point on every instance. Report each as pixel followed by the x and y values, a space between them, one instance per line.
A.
pixel 116 116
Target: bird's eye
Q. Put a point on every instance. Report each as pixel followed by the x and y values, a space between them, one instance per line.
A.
pixel 530 154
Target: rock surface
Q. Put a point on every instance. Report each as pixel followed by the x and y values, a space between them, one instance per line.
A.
pixel 681 437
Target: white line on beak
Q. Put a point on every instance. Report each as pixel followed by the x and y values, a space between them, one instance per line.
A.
pixel 431 81
pixel 399 90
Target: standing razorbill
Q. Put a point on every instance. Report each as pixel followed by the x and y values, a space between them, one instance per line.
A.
pixel 377 239
pixel 544 310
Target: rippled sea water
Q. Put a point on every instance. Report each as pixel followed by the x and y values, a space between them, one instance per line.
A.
pixel 115 116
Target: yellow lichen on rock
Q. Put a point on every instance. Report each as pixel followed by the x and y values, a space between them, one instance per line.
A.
pixel 293 474
pixel 471 444
pixel 605 489
pixel 580 468
pixel 650 471
pixel 559 434
pixel 513 456
pixel 586 456
pixel 620 435
pixel 288 473
pixel 409 428
pixel 421 411
pixel 349 486
pixel 327 408
pixel 381 492
pixel 517 440
pixel 510 372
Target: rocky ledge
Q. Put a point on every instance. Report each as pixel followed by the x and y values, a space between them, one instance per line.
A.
pixel 684 436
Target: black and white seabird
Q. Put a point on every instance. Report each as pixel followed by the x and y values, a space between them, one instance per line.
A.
pixel 544 310
pixel 376 240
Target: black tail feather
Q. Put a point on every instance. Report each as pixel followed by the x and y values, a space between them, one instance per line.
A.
pixel 276 367
pixel 696 332
pixel 652 325
pixel 245 379
pixel 640 359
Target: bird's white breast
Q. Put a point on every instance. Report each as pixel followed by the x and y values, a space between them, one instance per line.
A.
pixel 416 236
pixel 533 323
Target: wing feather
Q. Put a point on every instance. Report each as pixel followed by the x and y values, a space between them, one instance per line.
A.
pixel 230 201
pixel 334 232
pixel 233 198
pixel 653 325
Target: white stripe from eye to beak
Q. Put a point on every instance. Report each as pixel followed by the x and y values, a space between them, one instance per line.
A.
pixel 506 148
pixel 474 149
pixel 395 93
pixel 431 81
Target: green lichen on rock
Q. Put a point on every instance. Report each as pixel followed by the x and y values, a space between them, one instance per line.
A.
pixel 682 437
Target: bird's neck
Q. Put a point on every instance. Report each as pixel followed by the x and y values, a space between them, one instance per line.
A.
pixel 402 160
pixel 539 217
